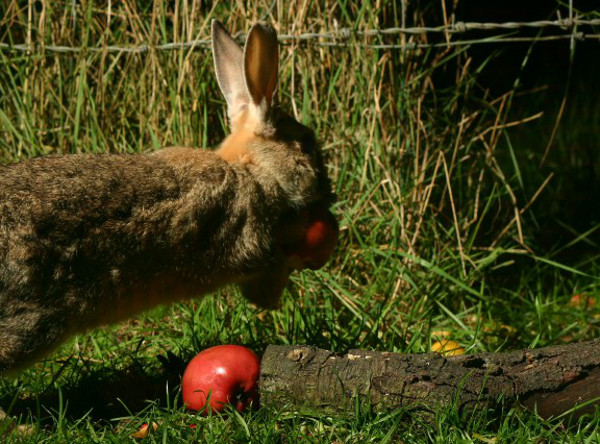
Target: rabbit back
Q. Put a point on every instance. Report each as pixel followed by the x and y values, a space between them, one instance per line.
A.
pixel 87 240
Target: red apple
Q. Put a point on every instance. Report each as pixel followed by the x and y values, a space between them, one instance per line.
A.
pixel 224 374
pixel 319 240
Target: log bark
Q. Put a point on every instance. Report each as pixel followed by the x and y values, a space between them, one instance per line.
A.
pixel 551 380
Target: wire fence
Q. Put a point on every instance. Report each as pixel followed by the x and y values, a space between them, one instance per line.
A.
pixel 569 29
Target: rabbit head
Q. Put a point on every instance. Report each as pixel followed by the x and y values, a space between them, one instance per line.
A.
pixel 261 133
pixel 283 153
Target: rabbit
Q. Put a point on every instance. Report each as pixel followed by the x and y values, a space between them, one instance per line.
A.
pixel 91 239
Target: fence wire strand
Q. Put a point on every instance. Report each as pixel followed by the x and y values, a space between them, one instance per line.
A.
pixel 344 37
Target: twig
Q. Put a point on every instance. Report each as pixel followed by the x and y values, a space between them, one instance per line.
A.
pixel 454 215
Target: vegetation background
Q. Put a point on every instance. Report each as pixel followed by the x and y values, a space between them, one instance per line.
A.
pixel 467 184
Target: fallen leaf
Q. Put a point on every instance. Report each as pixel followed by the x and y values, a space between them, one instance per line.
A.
pixel 144 431
pixel 582 300
pixel 447 348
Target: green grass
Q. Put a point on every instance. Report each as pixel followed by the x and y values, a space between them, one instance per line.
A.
pixel 429 181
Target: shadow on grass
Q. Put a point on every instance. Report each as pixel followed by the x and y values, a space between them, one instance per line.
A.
pixel 103 394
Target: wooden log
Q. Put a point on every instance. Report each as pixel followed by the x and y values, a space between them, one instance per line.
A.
pixel 551 380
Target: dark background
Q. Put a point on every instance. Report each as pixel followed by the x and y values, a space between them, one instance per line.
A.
pixel 549 61
pixel 570 205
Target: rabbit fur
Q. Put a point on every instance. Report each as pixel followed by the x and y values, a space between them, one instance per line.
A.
pixel 87 240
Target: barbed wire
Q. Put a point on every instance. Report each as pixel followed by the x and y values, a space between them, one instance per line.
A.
pixel 495 39
pixel 344 37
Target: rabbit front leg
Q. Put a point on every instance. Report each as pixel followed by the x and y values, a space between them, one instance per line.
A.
pixel 266 287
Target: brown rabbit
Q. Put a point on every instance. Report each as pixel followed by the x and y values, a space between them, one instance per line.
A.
pixel 87 240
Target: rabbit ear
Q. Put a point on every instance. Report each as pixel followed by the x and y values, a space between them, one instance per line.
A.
pixel 261 67
pixel 229 58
